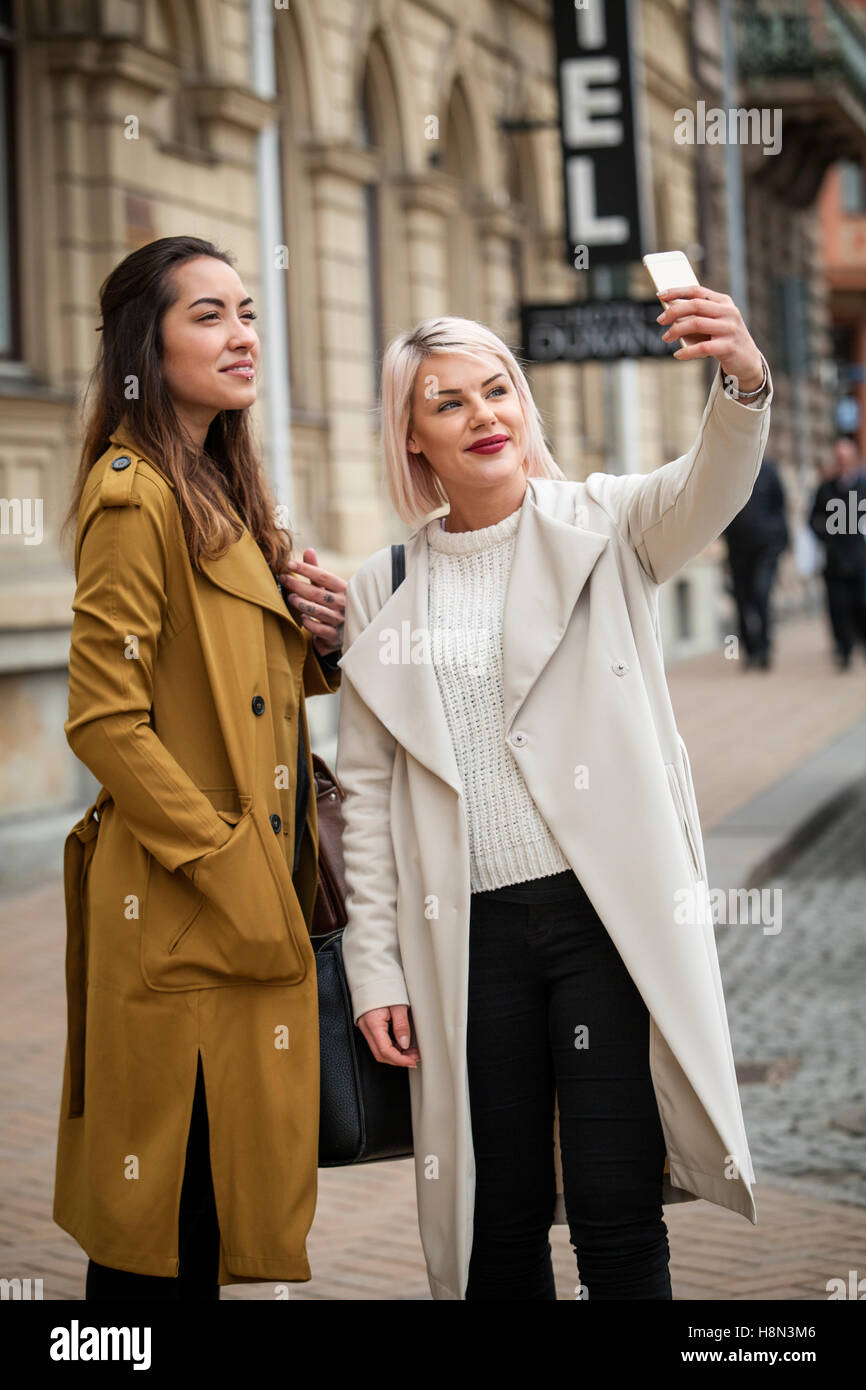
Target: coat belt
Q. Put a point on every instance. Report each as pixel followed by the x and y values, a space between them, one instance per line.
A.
pixel 77 854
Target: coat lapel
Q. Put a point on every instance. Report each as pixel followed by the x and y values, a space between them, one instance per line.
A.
pixel 554 556
pixel 243 570
pixel 404 693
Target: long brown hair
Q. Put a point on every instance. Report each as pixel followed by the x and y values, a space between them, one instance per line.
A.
pixel 133 300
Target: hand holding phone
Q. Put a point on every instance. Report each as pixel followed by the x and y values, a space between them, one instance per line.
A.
pixel 668 270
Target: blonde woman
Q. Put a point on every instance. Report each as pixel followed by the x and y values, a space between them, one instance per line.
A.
pixel 529 929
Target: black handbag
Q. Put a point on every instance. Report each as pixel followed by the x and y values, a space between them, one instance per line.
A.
pixel 364 1109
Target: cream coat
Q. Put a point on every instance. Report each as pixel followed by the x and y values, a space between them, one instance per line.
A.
pixel 584 687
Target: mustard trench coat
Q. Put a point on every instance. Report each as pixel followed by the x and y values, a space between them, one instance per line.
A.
pixel 588 717
pixel 186 933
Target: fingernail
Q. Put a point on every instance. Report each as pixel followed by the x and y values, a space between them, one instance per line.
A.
pixel 404 1040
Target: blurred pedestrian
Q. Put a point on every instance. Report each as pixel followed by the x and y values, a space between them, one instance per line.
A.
pixel 756 538
pixel 838 518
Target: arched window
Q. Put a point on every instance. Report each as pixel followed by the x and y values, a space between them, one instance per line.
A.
pixel 299 229
pixel 465 278
pixel 379 133
pixel 369 134
pixel 172 27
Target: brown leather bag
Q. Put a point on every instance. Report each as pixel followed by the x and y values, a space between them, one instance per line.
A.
pixel 329 909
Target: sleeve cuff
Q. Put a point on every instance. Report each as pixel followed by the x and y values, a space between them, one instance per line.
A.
pixel 330 660
pixel 755 402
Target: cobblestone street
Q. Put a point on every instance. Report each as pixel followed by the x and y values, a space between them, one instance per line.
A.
pixel 795 995
pixel 798 994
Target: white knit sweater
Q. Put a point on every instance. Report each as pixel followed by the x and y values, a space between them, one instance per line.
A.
pixel 509 841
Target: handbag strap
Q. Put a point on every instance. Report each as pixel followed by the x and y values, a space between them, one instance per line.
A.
pixel 329 911
pixel 398 566
pixel 326 780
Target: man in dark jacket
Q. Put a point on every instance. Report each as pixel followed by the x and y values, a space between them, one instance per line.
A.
pixel 756 538
pixel 838 519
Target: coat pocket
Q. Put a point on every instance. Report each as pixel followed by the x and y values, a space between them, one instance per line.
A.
pixel 253 922
pixel 185 926
pixel 227 919
pixel 170 906
pixel 682 815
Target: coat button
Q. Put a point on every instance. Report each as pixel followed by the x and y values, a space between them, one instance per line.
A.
pixel 620 667
pixel 121 463
pixel 276 824
pixel 258 704
pixel 519 738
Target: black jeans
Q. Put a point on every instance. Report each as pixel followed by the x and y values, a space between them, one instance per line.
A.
pixel 552 1006
pixel 198 1233
pixel 846 605
pixel 752 574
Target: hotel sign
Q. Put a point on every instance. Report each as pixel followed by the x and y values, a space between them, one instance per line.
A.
pixel 599 330
pixel 597 124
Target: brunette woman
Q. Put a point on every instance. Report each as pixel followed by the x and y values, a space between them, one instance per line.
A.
pixel 187 1147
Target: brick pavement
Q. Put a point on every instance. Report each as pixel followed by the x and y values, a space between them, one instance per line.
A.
pixel 744 731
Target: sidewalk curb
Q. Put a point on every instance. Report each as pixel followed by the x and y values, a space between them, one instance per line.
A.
pixel 759 839
pixel 788 848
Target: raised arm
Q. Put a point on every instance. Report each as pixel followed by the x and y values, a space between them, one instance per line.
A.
pixel 673 513
pixel 317 598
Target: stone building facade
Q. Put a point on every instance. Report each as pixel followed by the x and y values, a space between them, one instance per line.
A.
pixel 352 157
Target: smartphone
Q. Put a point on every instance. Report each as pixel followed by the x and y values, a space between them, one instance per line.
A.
pixel 668 269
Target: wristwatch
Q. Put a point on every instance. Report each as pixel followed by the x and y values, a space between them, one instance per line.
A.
pixel 746 395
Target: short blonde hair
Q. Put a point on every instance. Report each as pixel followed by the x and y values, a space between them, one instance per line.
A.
pixel 414 488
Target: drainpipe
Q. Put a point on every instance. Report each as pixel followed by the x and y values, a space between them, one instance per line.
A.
pixel 273 284
pixel 623 431
pixel 737 274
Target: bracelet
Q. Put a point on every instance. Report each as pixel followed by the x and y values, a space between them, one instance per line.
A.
pixel 746 395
